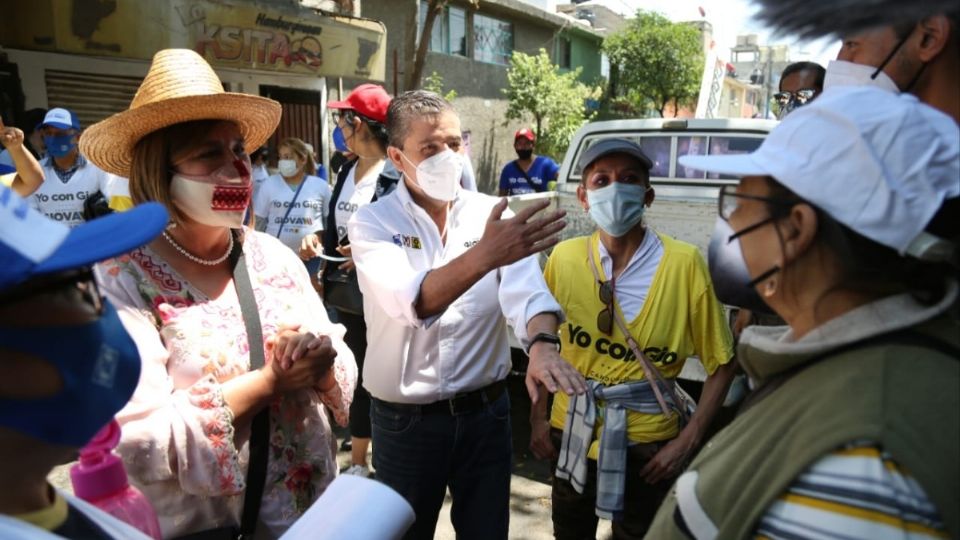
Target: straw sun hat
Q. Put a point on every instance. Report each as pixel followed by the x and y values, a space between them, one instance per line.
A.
pixel 180 87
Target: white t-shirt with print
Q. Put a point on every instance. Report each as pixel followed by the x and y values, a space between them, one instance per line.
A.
pixel 63 201
pixel 354 195
pixel 259 174
pixel 307 215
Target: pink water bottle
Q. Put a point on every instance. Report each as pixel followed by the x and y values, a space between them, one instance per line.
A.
pixel 100 479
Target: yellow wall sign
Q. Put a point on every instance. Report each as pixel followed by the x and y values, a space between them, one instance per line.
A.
pixel 233 34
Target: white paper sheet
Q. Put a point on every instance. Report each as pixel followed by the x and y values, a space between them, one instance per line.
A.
pixel 355 508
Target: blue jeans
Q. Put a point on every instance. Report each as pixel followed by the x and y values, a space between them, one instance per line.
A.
pixel 420 455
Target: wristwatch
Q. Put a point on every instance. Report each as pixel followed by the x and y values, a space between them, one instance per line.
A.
pixel 544 336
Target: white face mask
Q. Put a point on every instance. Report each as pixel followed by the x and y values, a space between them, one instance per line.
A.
pixel 439 175
pixel 843 73
pixel 288 167
pixel 219 199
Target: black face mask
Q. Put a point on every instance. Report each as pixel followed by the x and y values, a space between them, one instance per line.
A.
pixel 728 269
pixel 890 56
pixel 525 154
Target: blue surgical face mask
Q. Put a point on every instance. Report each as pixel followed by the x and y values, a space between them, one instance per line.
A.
pixel 99 368
pixel 59 145
pixel 338 141
pixel 618 207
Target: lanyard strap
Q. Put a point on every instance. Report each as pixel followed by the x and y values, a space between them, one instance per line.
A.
pixel 652 374
pixel 289 208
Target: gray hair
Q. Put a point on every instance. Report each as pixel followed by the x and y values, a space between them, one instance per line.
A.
pixel 847 17
pixel 409 106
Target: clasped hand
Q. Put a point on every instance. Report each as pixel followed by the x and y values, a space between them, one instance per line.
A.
pixel 297 360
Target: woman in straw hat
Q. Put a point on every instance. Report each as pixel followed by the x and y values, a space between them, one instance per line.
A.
pixel 183 142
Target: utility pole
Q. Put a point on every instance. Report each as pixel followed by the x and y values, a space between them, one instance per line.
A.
pixel 766 84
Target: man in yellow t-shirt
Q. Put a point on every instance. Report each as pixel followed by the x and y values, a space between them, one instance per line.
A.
pixel 626 275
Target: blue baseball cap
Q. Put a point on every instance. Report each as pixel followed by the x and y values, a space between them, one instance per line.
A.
pixel 31 244
pixel 61 118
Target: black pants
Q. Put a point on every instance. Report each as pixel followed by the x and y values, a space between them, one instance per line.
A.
pixel 356 340
pixel 423 454
pixel 574 516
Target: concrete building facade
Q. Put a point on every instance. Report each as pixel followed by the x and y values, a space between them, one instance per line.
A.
pixel 760 66
pixel 82 55
pixel 470 48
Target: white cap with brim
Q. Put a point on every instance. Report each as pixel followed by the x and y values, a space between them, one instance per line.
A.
pixel 882 164
pixel 31 244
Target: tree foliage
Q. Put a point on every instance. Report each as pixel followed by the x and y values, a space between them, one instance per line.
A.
pixel 434 83
pixel 555 100
pixel 658 62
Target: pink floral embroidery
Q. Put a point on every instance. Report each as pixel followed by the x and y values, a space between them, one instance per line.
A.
pixel 172 301
pixel 280 281
pixel 298 476
pixel 207 342
pixel 155 271
pixel 217 442
pixel 228 483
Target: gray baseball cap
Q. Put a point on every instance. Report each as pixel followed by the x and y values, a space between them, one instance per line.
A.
pixel 614 146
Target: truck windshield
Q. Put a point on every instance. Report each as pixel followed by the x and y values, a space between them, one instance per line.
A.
pixel 664 151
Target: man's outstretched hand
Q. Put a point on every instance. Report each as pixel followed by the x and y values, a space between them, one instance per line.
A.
pixel 549 369
pixel 507 240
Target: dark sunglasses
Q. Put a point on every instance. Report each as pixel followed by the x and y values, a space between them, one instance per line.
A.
pixel 81 279
pixel 605 317
pixel 801 96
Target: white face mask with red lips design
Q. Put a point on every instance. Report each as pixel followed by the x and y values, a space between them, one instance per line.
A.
pixel 219 199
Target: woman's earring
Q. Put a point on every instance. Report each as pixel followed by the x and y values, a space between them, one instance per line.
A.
pixel 770 287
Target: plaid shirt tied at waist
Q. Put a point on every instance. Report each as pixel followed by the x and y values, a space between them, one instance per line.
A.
pixel 636 396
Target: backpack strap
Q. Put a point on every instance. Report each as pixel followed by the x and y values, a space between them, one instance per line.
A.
pixel 260 429
pixel 657 382
pixel 292 202
pixel 536 187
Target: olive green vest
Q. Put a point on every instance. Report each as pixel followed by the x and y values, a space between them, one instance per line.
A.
pixel 904 397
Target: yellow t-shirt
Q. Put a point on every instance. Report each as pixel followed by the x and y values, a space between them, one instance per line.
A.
pixel 117 193
pixel 49 518
pixel 681 317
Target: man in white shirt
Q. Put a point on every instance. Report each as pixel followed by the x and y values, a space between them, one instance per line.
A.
pixel 442 273
pixel 68 177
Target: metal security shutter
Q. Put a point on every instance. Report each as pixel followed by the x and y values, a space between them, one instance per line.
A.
pixel 301 118
pixel 92 97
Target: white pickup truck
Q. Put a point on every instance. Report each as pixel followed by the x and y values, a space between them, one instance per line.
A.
pixel 686 199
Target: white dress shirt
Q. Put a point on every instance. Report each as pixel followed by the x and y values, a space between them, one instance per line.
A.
pixel 420 361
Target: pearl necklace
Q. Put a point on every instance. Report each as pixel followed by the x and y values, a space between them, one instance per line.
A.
pixel 198 260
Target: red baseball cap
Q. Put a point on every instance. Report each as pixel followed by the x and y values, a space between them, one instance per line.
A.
pixel 369 100
pixel 526 133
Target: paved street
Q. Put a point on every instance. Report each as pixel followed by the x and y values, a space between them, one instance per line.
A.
pixel 529 488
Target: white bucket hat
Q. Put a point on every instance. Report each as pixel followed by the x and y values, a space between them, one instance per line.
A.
pixel 882 164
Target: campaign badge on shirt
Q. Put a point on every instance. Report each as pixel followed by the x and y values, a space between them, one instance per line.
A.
pixel 404 240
